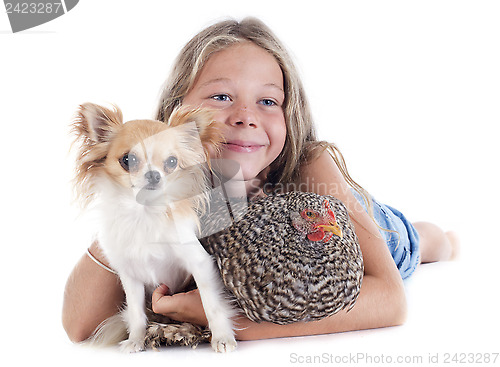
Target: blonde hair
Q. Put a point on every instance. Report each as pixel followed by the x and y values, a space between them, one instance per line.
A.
pixel 301 145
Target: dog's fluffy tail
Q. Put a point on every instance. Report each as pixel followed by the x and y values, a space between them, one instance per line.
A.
pixel 110 332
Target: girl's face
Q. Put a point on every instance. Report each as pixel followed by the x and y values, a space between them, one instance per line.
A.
pixel 244 84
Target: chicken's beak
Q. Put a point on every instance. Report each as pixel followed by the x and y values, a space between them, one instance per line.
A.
pixel 333 228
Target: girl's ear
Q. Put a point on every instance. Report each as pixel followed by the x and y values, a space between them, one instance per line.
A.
pixel 98 123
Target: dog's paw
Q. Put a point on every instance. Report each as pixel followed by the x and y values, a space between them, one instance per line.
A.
pixel 132 346
pixel 224 344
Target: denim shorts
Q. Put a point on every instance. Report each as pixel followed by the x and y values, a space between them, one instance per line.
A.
pixel 403 243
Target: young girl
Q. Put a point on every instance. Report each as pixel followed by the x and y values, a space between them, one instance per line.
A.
pixel 243 72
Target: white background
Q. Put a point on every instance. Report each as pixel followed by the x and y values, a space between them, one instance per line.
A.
pixel 409 91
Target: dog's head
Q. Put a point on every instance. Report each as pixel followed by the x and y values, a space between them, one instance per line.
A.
pixel 156 162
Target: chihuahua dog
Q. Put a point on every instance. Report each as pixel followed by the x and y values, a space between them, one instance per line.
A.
pixel 148 181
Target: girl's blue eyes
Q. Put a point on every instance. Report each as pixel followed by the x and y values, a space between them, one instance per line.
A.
pixel 221 97
pixel 226 98
pixel 268 102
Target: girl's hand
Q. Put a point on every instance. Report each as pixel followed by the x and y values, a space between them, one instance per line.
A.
pixel 183 307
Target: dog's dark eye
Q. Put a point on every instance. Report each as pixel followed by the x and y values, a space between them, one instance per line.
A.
pixel 170 164
pixel 129 162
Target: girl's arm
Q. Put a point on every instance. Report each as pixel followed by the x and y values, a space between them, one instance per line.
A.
pixel 381 302
pixel 92 294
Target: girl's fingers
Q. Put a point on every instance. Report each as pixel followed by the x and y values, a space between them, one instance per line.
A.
pixel 184 307
pixel 163 303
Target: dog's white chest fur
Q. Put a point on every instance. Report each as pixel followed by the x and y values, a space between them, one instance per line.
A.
pixel 141 243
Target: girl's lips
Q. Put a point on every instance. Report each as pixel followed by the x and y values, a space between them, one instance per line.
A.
pixel 243 146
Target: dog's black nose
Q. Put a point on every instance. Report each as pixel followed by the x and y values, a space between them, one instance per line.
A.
pixel 153 177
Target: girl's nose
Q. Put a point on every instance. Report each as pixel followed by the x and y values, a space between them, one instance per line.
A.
pixel 242 116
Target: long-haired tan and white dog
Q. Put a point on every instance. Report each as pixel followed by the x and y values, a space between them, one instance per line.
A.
pixel 148 182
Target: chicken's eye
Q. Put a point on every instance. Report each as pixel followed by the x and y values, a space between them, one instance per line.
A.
pixel 129 162
pixel 310 214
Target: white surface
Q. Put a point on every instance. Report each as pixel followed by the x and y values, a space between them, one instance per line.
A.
pixel 450 312
pixel 409 91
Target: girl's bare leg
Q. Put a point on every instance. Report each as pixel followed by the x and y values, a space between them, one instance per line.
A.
pixel 435 244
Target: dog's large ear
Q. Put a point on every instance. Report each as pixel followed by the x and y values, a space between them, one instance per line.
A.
pixel 98 123
pixel 209 132
pixel 94 127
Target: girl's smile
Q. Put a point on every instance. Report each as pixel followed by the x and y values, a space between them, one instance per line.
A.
pixel 244 84
pixel 242 146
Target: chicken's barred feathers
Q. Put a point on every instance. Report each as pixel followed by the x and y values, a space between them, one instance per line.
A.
pixel 275 273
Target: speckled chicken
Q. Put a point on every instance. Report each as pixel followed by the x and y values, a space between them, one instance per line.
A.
pixel 290 257
pixel 284 258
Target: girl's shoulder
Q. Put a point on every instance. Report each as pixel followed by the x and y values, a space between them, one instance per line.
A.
pixel 322 175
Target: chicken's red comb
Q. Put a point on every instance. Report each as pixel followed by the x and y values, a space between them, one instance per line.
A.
pixel 326 205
